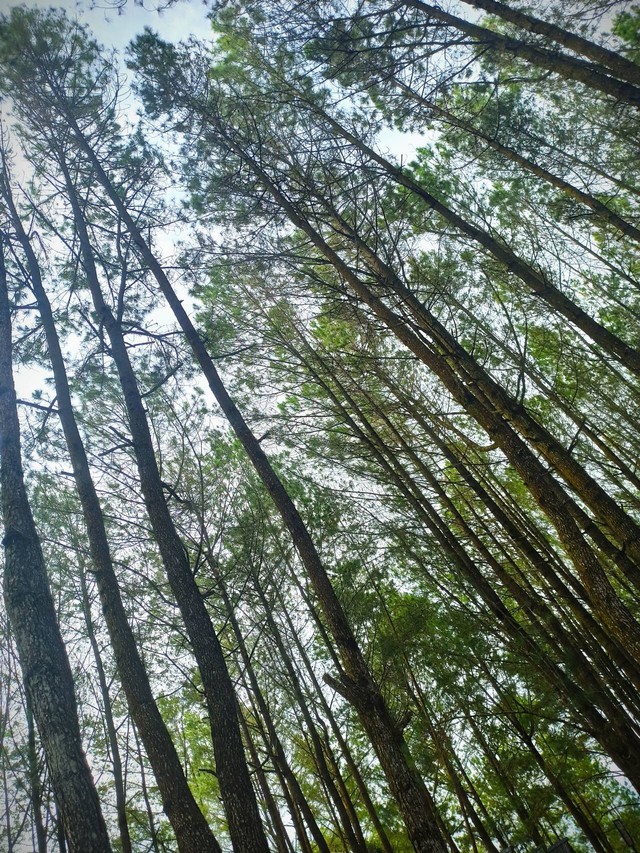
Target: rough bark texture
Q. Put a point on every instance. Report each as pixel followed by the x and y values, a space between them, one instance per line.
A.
pixel 416 806
pixel 569 67
pixel 47 674
pixel 193 834
pixel 236 788
pixel 623 68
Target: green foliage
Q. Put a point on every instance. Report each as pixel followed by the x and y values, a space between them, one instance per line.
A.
pixel 465 603
pixel 627 27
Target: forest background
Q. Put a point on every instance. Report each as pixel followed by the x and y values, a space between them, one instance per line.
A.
pixel 320 483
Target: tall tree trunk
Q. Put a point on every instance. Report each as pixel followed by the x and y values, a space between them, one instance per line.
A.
pixel 192 831
pixel 35 785
pixel 47 674
pixel 602 211
pixel 238 795
pixel 61 837
pixel 112 736
pixel 278 831
pixel 509 786
pixel 623 68
pixel 352 833
pixel 593 76
pixel 272 739
pixel 593 833
pixel 344 746
pixel 416 805
pixel 153 831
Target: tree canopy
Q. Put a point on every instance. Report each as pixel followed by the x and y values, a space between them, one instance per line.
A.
pixel 322 525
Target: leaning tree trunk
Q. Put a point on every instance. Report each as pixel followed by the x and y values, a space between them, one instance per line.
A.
pixel 193 834
pixel 537 282
pixel 351 830
pixel 594 76
pixel 470 386
pixel 623 68
pixel 602 211
pixel 296 800
pixel 236 789
pixel 358 686
pixel 47 674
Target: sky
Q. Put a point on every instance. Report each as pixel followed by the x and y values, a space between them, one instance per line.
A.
pixel 116 29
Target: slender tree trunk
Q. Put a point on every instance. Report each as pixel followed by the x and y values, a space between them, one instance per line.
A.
pixel 272 739
pixel 601 210
pixel 297 804
pixel 121 801
pixel 47 674
pixel 352 833
pixel 344 747
pixel 238 795
pixel 593 76
pixel 35 786
pixel 153 832
pixel 623 68
pixel 278 831
pixel 61 837
pixel 593 833
pixel 4 722
pixel 416 805
pixel 444 749
pixel 509 786
pixel 192 831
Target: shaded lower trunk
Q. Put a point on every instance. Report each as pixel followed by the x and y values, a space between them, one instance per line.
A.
pixel 43 658
pixel 192 832
pixel 238 795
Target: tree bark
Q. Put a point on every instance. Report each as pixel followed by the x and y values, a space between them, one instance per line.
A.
pixel 193 834
pixel 47 674
pixel 604 213
pixel 112 735
pixel 623 68
pixel 469 392
pixel 593 76
pixel 35 784
pixel 238 795
pixel 415 803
